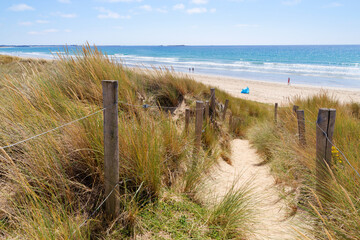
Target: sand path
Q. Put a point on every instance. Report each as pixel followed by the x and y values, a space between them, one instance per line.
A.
pixel 271 222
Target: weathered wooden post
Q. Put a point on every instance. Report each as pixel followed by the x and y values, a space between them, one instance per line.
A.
pixel 198 123
pixel 301 126
pixel 225 109
pixel 295 108
pixel 212 104
pixel 187 120
pixel 276 112
pixel 207 110
pixel 324 132
pixel 111 146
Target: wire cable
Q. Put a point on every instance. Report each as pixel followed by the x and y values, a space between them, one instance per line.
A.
pixel 52 130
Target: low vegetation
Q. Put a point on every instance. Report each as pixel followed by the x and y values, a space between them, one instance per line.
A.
pixel 336 213
pixel 51 186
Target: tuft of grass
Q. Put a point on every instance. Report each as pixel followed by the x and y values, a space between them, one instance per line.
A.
pixel 232 217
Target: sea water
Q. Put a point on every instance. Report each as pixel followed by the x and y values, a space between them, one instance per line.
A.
pixel 326 66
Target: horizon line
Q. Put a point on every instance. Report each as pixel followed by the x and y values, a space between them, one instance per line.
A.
pixel 175 45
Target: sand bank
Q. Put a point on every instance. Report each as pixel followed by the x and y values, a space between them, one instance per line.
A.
pixel 270 92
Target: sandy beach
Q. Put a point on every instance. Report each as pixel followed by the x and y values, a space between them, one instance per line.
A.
pixel 271 92
pixel 263 91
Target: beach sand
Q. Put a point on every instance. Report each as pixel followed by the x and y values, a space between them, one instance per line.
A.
pixel 271 92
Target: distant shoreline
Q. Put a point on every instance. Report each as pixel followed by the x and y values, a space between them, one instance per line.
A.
pixel 265 91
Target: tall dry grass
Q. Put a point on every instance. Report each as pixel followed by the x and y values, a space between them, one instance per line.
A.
pixel 336 212
pixel 51 184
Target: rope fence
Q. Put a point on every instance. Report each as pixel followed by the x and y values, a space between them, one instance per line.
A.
pixel 111 141
pixel 324 133
pixel 85 117
pixel 52 130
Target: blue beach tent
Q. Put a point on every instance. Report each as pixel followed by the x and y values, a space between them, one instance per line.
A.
pixel 245 90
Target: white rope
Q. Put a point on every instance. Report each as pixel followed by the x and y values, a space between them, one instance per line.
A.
pixel 52 130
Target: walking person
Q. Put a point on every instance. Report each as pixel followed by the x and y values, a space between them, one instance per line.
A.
pixel 289 81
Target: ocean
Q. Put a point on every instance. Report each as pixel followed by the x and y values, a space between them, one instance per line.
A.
pixel 326 66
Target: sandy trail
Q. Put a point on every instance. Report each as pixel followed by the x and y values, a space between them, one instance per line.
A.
pixel 271 222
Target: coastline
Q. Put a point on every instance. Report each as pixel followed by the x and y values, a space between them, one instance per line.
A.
pixel 273 92
pixel 262 91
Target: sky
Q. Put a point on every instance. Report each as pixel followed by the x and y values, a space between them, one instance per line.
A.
pixel 171 22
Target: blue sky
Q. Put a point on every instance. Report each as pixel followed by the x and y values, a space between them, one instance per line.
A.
pixel 190 22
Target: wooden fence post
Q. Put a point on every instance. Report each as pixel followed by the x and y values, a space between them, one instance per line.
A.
pixel 212 104
pixel 295 108
pixel 187 120
pixel 276 112
pixel 324 129
pixel 225 109
pixel 301 126
pixel 111 146
pixel 198 123
pixel 206 110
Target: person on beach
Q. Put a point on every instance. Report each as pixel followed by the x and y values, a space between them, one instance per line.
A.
pixel 289 81
pixel 193 69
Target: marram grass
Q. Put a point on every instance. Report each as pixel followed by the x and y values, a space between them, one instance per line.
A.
pixel 336 210
pixel 51 184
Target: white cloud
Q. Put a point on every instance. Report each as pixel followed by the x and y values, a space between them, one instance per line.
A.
pixel 196 10
pixel 50 30
pixel 25 23
pixel 213 10
pixel 46 31
pixel 105 13
pixel 115 1
pixel 21 7
pixel 64 1
pixel 244 25
pixel 333 5
pixel 109 14
pixel 291 2
pixel 162 10
pixel 34 33
pixel 68 15
pixel 65 15
pixel 146 8
pixel 42 21
pixel 199 1
pixel 67 30
pixel 179 6
pixel 32 23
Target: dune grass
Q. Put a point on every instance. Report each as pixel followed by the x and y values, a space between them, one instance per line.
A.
pixel 51 184
pixel 336 213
